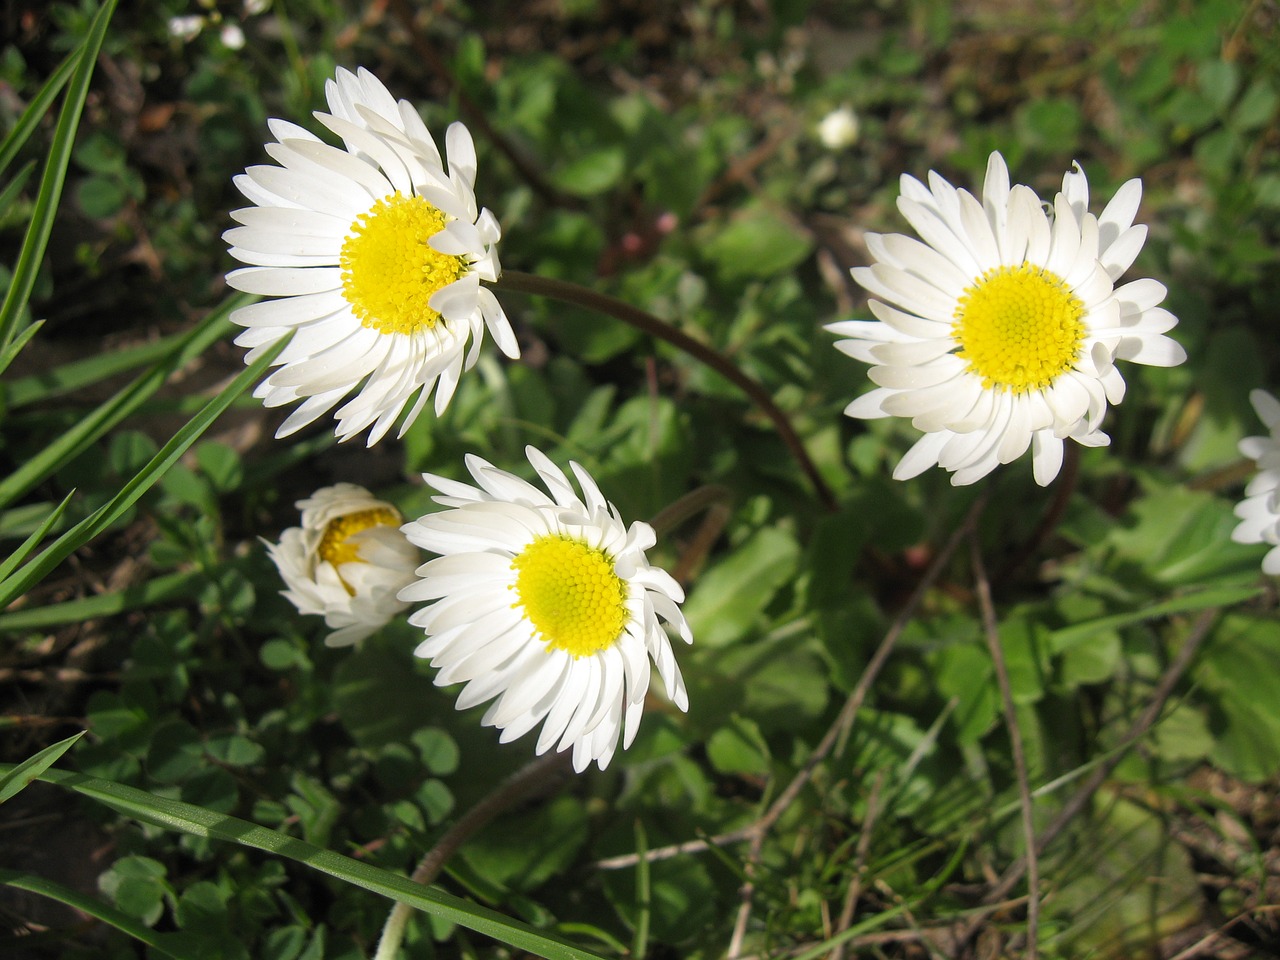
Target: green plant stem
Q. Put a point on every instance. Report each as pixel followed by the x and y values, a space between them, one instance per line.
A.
pixel 645 322
pixel 521 785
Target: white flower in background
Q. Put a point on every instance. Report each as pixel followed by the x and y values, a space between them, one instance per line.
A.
pixel 186 28
pixel 1259 511
pixel 838 130
pixel 1001 330
pixel 346 562
pixel 547 604
pixel 374 254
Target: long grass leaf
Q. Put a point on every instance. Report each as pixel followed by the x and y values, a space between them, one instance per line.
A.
pixel 177 945
pixel 35 112
pixel 10 563
pixel 15 346
pixel 9 195
pixel 82 373
pixel 186 818
pixel 15 780
pixel 55 175
pixel 173 586
pixel 109 413
pixel 88 528
pixel 1068 637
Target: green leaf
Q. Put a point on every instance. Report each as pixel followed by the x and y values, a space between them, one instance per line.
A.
pixel 524 852
pixel 172 588
pixel 593 172
pixel 36 109
pixel 1256 107
pixel 1242 668
pixel 55 173
pixel 757 242
pixel 438 750
pixel 1218 80
pixel 16 779
pixel 69 377
pixel 175 752
pixel 1068 637
pixel 221 464
pixel 378 699
pixel 730 597
pixel 137 886
pixel 15 347
pixel 739 748
pixel 10 563
pixel 185 818
pixel 171 945
pixel 35 570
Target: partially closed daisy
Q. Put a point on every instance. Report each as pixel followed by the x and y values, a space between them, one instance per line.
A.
pixel 1000 331
pixel 546 603
pixel 1259 511
pixel 346 562
pixel 373 255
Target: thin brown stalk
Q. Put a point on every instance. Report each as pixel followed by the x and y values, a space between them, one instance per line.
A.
pixel 991 630
pixel 534 778
pixel 1080 799
pixel 566 292
pixel 861 852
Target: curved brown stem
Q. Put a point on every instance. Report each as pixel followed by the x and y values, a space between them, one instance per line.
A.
pixel 567 292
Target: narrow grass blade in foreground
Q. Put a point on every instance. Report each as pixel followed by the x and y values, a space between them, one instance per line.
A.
pixel 55 175
pixel 18 777
pixel 35 111
pixel 88 528
pixel 186 818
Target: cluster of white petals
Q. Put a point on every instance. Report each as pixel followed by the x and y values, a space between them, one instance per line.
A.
pixel 1259 511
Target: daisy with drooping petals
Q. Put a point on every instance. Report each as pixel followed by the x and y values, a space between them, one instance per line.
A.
pixel 346 562
pixel 1259 511
pixel 546 603
pixel 373 254
pixel 1000 331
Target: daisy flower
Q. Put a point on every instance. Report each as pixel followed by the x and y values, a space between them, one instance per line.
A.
pixel 346 562
pixel 1259 511
pixel 547 604
pixel 372 254
pixel 1000 331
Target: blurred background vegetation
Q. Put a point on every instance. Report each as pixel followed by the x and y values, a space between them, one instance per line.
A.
pixel 668 153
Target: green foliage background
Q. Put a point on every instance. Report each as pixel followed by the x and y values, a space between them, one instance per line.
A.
pixel 676 166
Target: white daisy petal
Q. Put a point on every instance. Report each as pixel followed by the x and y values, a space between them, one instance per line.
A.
pixel 1000 328
pixel 546 605
pixel 1259 512
pixel 373 255
pixel 346 561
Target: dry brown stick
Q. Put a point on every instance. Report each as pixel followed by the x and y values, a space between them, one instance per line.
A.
pixel 844 721
pixel 863 849
pixel 521 785
pixel 991 630
pixel 1078 801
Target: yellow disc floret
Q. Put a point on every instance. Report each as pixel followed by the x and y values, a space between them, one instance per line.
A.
pixel 336 546
pixel 570 594
pixel 389 271
pixel 1020 328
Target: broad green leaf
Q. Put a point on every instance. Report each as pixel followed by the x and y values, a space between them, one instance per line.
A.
pixel 137 886
pixel 757 242
pixel 728 599
pixel 17 778
pixel 593 172
pixel 1242 668
pixel 739 748
pixel 55 173
pixel 378 700
pixel 186 818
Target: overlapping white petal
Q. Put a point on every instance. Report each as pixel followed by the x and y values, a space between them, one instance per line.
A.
pixel 1259 511
pixel 305 209
pixel 355 598
pixel 477 635
pixel 912 346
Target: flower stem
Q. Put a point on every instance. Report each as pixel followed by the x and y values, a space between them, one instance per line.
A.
pixel 521 785
pixel 567 292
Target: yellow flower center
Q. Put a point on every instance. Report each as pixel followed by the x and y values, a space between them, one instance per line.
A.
pixel 1020 328
pixel 570 594
pixel 336 546
pixel 389 271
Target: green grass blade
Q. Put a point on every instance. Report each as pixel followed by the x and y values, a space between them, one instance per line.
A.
pixel 88 528
pixel 1200 600
pixel 11 562
pixel 9 195
pixel 111 412
pixel 55 175
pixel 35 112
pixel 186 818
pixel 15 347
pixel 178 946
pixel 173 586
pixel 17 778
pixel 82 373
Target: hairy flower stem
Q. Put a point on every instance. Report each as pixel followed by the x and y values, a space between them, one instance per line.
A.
pixel 567 292
pixel 526 782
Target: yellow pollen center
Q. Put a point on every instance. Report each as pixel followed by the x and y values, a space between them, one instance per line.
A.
pixel 336 545
pixel 570 594
pixel 1019 328
pixel 389 271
